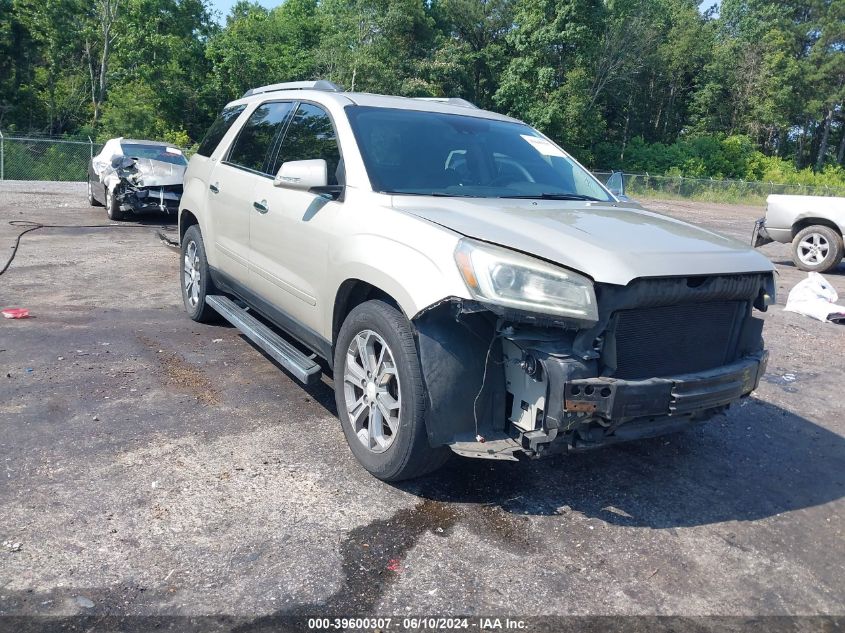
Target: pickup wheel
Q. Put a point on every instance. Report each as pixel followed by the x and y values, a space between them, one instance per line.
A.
pixel 380 394
pixel 113 207
pixel 817 248
pixel 195 280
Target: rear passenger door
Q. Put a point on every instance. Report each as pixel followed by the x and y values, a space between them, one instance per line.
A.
pixel 232 183
pixel 290 236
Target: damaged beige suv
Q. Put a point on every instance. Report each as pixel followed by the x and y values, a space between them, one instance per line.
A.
pixel 470 287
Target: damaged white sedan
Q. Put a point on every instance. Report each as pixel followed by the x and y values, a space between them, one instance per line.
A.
pixel 131 176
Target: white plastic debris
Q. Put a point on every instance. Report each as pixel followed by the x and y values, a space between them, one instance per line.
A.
pixel 102 162
pixel 815 298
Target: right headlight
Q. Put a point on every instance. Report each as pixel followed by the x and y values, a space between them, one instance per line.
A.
pixel 507 278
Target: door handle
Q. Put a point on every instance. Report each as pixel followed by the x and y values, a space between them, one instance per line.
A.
pixel 214 188
pixel 261 207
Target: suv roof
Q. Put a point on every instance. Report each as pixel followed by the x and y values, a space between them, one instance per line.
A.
pixel 326 91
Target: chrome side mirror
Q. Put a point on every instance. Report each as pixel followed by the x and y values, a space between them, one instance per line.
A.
pixel 302 174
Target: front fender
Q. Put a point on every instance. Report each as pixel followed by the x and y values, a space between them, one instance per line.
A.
pixel 413 278
pixel 193 201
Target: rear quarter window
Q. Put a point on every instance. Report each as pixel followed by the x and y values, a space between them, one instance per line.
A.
pixel 218 130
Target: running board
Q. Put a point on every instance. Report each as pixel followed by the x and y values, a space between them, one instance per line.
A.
pixel 303 368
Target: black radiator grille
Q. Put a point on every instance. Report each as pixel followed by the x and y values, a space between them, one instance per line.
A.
pixel 676 339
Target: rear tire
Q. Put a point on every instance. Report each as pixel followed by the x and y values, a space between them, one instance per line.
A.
pixel 378 376
pixel 194 277
pixel 113 207
pixel 91 199
pixel 817 248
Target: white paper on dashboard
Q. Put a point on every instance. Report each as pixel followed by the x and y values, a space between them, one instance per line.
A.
pixel 545 147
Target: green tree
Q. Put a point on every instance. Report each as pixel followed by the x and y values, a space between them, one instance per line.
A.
pixel 549 80
pixel 376 45
pixel 258 47
pixel 471 50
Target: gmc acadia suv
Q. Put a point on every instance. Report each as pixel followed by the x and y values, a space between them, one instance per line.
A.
pixel 468 284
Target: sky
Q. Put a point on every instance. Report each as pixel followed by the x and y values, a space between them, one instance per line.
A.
pixel 224 6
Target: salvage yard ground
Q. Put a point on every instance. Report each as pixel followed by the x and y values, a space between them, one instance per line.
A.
pixel 152 465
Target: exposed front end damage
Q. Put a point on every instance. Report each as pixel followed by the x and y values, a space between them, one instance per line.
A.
pixel 141 184
pixel 134 194
pixel 665 354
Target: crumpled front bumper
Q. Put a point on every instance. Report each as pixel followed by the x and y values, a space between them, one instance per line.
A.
pixel 151 199
pixel 593 412
pixel 618 400
pixel 760 236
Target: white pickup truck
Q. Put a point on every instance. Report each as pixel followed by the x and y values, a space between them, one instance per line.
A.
pixel 813 224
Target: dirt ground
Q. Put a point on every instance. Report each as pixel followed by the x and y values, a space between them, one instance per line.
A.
pixel 152 466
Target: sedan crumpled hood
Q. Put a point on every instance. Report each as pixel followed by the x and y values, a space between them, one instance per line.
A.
pixel 611 244
pixel 158 173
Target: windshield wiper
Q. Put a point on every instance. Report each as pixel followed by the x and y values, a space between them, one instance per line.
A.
pixel 436 194
pixel 553 196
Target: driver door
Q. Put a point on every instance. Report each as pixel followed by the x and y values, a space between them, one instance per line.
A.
pixel 290 230
pixel 233 181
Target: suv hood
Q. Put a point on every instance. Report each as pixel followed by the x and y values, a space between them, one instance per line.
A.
pixel 611 244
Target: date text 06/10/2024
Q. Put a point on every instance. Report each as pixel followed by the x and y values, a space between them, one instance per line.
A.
pixel 417 624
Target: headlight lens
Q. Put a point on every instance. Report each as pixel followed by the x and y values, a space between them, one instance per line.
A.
pixel 507 278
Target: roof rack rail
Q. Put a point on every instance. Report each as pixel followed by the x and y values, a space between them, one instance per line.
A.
pixel 455 101
pixel 321 84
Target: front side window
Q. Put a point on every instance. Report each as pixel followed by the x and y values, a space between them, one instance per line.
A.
pixel 429 153
pixel 218 130
pixel 311 135
pixel 256 138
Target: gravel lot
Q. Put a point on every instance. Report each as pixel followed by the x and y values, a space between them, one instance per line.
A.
pixel 153 466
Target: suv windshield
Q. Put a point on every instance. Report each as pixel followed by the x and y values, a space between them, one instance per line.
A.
pixel 428 153
pixel 161 153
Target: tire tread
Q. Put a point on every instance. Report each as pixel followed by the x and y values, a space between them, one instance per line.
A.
pixel 205 314
pixel 833 238
pixel 420 458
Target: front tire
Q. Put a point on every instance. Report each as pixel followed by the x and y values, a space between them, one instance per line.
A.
pixel 380 394
pixel 113 207
pixel 817 248
pixel 194 277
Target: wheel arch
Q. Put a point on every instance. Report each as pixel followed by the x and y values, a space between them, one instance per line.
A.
pixel 352 293
pixel 186 220
pixel 803 223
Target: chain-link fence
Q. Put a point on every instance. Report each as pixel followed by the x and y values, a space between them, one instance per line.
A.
pixel 24 158
pixel 647 186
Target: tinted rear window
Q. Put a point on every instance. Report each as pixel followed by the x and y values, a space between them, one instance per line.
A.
pixel 218 129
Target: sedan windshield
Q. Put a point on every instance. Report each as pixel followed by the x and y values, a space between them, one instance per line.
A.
pixel 161 153
pixel 428 153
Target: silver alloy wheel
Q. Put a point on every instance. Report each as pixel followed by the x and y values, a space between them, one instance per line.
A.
pixel 191 274
pixel 372 392
pixel 813 249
